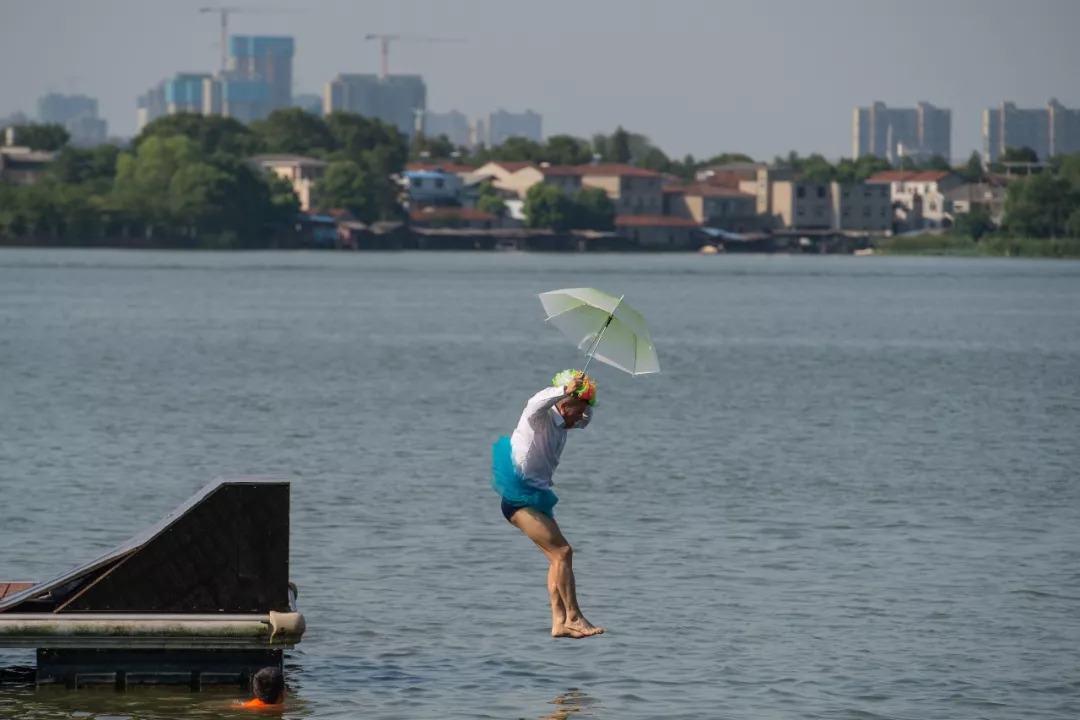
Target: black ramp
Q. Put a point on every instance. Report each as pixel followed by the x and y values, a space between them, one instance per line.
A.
pixel 224 550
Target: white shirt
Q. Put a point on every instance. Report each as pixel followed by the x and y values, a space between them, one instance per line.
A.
pixel 540 436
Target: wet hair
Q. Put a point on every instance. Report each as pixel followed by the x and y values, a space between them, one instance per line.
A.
pixel 268 685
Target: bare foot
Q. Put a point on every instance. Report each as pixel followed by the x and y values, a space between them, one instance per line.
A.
pixel 580 628
pixel 563 631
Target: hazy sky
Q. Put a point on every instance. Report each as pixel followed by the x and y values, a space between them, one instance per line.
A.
pixel 701 76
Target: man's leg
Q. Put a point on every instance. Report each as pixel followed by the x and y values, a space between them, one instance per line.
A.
pixel 545 532
pixel 558 610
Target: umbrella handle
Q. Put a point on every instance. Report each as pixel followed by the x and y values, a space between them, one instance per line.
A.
pixel 596 343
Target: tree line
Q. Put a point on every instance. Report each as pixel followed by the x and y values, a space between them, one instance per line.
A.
pixel 185 180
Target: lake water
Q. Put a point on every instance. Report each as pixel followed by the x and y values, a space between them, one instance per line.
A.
pixel 852 492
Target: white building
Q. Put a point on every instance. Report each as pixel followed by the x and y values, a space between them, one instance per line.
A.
pixel 919 197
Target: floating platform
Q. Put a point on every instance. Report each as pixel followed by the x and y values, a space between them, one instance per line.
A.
pixel 203 596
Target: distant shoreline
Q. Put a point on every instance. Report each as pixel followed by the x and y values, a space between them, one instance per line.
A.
pixel 990 246
pixel 1026 250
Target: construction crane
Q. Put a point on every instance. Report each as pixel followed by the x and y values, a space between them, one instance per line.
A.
pixel 384 47
pixel 225 11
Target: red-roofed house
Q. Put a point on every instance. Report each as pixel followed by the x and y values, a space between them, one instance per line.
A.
pixel 713 205
pixel 919 196
pixel 659 232
pixel 565 177
pixel 633 190
pixel 500 172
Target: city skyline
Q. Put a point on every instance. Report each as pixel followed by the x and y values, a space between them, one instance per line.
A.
pixel 806 65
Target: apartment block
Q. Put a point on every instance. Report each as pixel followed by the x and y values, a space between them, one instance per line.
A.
pixel 267 60
pixel 243 100
pixel 761 186
pixel 633 190
pixel 919 132
pixel 1049 131
pixel 150 106
pixel 861 207
pixel 257 82
pixel 856 207
pixel 184 93
pixel 1064 129
pixel 395 99
pixel 712 205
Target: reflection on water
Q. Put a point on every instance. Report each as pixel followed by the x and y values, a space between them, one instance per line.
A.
pixel 19 698
pixel 572 703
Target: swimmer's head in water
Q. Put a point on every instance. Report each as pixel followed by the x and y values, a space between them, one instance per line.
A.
pixel 268 685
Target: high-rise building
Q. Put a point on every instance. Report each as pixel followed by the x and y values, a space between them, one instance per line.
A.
pixel 1049 131
pixel 454 125
pixel 503 125
pixel 57 109
pixel 258 81
pixel 150 106
pixel 935 130
pixel 256 58
pixel 395 100
pixel 181 93
pixel 1064 129
pixel 922 131
pixel 184 93
pixel 238 98
pixel 77 113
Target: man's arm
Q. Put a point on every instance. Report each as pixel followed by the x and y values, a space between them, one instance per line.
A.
pixel 546 399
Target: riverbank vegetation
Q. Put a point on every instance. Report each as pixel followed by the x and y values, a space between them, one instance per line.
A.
pixel 990 246
pixel 187 181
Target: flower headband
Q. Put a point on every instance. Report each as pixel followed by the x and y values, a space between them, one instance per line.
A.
pixel 587 391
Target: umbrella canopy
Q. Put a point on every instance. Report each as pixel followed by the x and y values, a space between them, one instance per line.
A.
pixel 604 327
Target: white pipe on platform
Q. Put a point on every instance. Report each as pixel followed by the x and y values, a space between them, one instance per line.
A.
pixel 48 630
